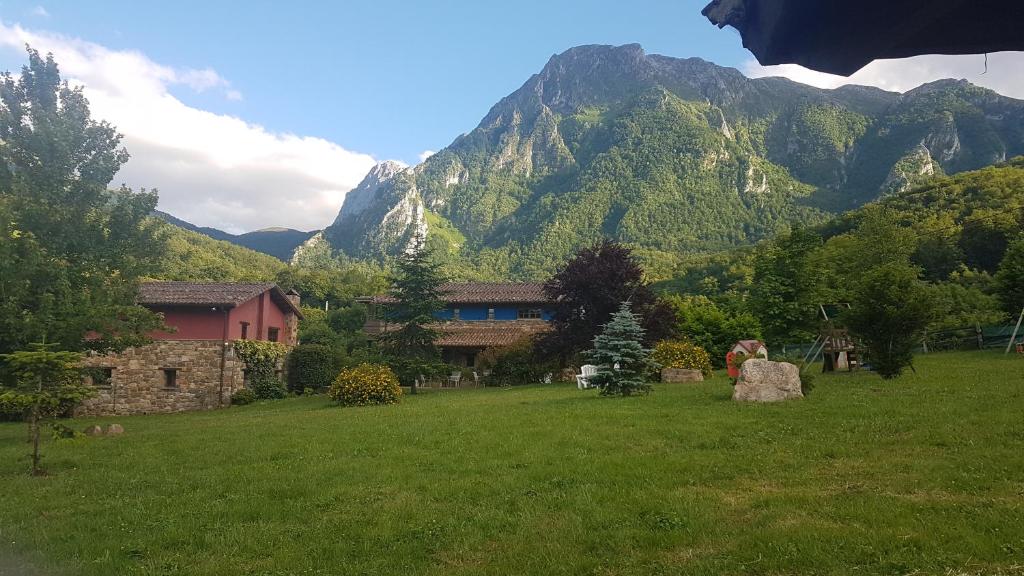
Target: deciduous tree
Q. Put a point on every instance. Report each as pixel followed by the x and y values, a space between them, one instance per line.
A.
pixel 589 289
pixel 72 250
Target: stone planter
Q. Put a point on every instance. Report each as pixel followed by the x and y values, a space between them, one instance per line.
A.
pixel 677 375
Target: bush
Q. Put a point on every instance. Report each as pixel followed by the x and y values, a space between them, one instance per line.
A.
pixel 516 363
pixel 312 366
pixel 682 354
pixel 715 329
pixel 243 397
pixel 364 385
pixel 268 387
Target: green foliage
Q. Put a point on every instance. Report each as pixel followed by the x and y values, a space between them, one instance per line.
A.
pixel 364 385
pixel 890 310
pixel 243 396
pixel 416 288
pixel 682 354
pixel 783 293
pixel 191 256
pixel 622 362
pixel 312 366
pixel 44 384
pixel 261 359
pixel 517 363
pixel 71 251
pixel 1010 278
pixel 267 387
pixel 712 327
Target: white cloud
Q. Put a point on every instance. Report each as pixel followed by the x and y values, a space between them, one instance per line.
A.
pixel 1003 75
pixel 211 169
pixel 426 154
pixel 40 11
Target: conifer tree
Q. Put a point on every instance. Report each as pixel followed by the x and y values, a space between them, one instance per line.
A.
pixel 416 289
pixel 623 362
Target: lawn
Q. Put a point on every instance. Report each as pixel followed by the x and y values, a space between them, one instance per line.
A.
pixel 922 475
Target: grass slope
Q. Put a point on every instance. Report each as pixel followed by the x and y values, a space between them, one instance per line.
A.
pixel 922 475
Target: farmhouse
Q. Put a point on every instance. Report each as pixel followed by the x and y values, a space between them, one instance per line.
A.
pixel 476 316
pixel 192 366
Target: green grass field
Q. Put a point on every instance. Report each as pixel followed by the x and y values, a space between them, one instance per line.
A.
pixel 921 475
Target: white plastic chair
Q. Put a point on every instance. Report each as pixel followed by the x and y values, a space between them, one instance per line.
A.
pixel 454 379
pixel 583 378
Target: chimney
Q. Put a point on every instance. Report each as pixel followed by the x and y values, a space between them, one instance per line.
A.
pixel 293 297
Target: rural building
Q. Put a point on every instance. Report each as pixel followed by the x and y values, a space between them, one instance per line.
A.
pixel 193 366
pixel 476 316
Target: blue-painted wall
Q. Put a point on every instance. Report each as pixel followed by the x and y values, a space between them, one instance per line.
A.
pixel 479 312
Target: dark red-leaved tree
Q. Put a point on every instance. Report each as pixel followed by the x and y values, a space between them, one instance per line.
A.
pixel 589 289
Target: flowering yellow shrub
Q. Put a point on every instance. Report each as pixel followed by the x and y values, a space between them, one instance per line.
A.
pixel 364 385
pixel 682 354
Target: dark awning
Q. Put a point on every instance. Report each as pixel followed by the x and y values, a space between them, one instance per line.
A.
pixel 842 36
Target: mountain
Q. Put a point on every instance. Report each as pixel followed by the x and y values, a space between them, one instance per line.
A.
pixel 277 242
pixel 195 256
pixel 669 155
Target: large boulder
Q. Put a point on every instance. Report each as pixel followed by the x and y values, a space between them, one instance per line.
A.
pixel 766 381
pixel 681 375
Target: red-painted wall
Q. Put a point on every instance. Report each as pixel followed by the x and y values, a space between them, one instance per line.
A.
pixel 205 323
pixel 259 323
pixel 191 323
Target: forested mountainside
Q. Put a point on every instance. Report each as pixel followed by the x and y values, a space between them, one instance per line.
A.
pixel 193 255
pixel 957 230
pixel 277 242
pixel 669 155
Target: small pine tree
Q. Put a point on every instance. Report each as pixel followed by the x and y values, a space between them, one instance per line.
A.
pixel 620 356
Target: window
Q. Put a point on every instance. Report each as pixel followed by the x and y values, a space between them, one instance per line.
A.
pixel 245 330
pixel 101 377
pixel 170 378
pixel 530 314
pixel 471 359
pixel 455 314
pixel 272 334
pixel 490 313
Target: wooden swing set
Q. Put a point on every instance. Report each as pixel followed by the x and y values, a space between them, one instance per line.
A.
pixel 834 343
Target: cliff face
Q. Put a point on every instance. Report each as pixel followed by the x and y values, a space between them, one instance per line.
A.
pixel 669 155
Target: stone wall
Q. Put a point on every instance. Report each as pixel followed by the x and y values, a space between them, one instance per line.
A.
pixel 137 383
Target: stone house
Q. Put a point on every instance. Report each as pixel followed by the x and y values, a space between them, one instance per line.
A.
pixel 192 366
pixel 476 316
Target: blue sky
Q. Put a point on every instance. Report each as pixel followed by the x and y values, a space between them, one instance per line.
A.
pixel 388 78
pixel 253 114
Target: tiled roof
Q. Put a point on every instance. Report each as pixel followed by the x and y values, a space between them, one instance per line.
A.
pixel 751 346
pixel 228 294
pixel 489 333
pixel 487 292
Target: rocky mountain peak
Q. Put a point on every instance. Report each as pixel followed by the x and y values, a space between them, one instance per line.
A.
pixel 362 196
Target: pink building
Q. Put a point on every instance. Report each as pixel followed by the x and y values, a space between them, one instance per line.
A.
pixel 192 366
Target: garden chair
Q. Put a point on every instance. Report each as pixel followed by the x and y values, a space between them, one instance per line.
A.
pixel 583 378
pixel 454 379
pixel 476 378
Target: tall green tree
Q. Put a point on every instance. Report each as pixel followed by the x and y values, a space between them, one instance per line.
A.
pixel 784 286
pixel 1010 278
pixel 416 289
pixel 72 250
pixel 623 363
pixel 889 312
